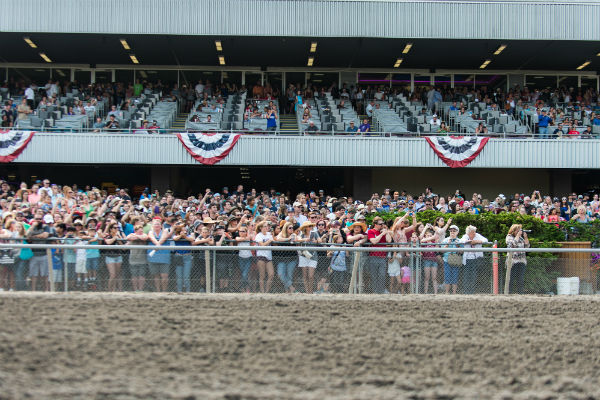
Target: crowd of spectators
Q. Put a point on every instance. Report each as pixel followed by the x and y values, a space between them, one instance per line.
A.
pixel 48 213
pixel 553 108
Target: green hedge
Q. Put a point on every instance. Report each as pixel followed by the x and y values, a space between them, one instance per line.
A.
pixel 495 226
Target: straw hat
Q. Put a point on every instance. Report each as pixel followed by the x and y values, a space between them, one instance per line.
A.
pixel 361 224
pixel 306 225
pixel 208 220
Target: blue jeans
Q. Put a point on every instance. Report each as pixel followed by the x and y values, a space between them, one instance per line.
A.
pixel 543 132
pixel 377 268
pixel 183 270
pixel 285 271
pixel 245 264
pixel 20 273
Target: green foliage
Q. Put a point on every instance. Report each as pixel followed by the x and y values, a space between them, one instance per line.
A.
pixel 493 226
pixel 578 232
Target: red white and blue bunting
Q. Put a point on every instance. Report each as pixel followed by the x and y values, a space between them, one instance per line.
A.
pixel 457 151
pixel 12 143
pixel 208 148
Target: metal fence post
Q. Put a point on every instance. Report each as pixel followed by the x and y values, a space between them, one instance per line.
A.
pixel 361 285
pixel 50 270
pixel 207 271
pixel 495 269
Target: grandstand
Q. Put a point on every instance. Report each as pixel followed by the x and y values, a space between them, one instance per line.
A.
pixel 171 76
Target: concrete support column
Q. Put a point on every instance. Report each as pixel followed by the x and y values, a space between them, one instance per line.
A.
pixel 362 182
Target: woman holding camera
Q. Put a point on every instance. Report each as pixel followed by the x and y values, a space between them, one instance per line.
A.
pixel 517 238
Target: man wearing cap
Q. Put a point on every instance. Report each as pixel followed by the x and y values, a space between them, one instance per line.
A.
pixel 435 121
pixel 378 236
pixel 543 122
pixel 352 128
pixel 38 264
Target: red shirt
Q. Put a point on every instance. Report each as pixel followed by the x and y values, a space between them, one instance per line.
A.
pixel 372 234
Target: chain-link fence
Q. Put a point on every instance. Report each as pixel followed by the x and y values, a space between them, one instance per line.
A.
pixel 276 269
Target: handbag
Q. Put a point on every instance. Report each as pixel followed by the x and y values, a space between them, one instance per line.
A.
pixel 455 260
pixel 26 254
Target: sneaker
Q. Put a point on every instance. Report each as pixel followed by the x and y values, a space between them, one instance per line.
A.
pixel 386 291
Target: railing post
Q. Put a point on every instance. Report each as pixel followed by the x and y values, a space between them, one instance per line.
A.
pixel 495 269
pixel 50 270
pixel 207 271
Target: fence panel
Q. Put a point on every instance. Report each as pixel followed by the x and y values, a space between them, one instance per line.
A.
pixel 273 269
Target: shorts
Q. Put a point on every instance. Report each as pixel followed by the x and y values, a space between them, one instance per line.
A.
pixel 91 264
pixel 450 274
pixel 406 279
pixel 394 268
pixel 80 266
pixel 38 265
pixel 137 269
pixel 114 259
pixel 261 258
pixel 158 268
pixel 430 264
pixel 307 262
pixel 57 275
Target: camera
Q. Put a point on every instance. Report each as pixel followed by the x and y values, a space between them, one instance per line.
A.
pixel 527 230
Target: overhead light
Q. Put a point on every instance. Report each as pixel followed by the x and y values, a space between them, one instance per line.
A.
pixel 313 47
pixel 598 54
pixel 30 42
pixel 45 57
pixel 585 64
pixel 310 62
pixel 485 64
pixel 60 72
pixel 398 62
pixel 143 74
pixel 407 48
pixel 500 49
pixel 125 44
pixel 221 60
pixel 218 45
pixel 134 59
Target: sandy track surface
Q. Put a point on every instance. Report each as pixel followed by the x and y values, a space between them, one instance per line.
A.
pixel 145 346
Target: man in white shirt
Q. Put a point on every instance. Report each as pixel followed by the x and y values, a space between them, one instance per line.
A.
pixel 473 261
pixel 199 88
pixel 435 120
pixel 30 96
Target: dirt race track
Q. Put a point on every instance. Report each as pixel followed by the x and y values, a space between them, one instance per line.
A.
pixel 145 346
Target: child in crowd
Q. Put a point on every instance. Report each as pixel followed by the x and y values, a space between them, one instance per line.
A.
pixel 92 256
pixel 337 268
pixel 80 261
pixel 405 274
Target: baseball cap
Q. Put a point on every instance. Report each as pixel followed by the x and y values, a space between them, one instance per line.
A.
pixel 453 227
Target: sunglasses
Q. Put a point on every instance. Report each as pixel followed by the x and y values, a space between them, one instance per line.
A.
pixel 378 223
pixel 320 224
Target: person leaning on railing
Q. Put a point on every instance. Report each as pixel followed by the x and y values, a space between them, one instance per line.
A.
pixel 286 260
pixel 517 239
pixel 453 261
pixel 473 261
pixel 378 236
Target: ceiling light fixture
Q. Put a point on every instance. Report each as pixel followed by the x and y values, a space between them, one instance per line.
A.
pixel 221 60
pixel 45 57
pixel 125 44
pixel 60 72
pixel 485 64
pixel 585 64
pixel 30 42
pixel 407 48
pixel 134 59
pixel 398 62
pixel 310 62
pixel 218 45
pixel 500 49
pixel 313 47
